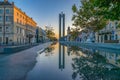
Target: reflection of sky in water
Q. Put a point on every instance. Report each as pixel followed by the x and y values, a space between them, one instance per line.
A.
pixel 64 63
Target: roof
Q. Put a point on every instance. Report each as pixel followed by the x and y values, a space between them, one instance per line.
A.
pixel 5 3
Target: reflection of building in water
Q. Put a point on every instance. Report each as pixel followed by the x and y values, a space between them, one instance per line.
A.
pixel 61 57
pixel 111 57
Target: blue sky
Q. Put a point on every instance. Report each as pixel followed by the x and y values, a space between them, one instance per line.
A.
pixel 45 12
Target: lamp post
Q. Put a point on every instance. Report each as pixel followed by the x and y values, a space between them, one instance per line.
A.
pixel 4 27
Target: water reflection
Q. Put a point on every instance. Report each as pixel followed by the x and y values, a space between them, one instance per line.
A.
pixel 61 57
pixel 65 62
pixel 113 58
pixel 49 50
pixel 91 64
pixel 96 65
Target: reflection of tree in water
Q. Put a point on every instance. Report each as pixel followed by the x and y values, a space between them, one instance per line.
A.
pixel 94 67
pixel 75 50
pixel 49 49
pixel 118 61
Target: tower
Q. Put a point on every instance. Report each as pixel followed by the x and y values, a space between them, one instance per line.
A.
pixel 61 25
pixel 68 31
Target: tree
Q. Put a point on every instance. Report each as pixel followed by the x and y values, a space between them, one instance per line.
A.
pixel 74 33
pixel 50 33
pixel 87 16
pixel 110 9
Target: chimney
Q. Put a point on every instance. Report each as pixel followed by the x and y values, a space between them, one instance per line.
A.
pixel 5 0
pixel 12 3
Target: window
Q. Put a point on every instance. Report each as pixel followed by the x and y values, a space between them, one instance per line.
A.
pixel 23 32
pixel 116 36
pixel 116 24
pixel 7 18
pixel 0 29
pixel 20 40
pixel 20 30
pixel 0 39
pixel 7 29
pixel 7 11
pixel 1 18
pixel 110 24
pixel 17 29
pixel 1 11
pixel 17 20
pixel 20 22
pixel 17 40
pixel 17 14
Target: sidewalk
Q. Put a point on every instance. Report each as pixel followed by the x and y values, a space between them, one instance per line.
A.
pixel 17 48
pixel 94 45
pixel 16 66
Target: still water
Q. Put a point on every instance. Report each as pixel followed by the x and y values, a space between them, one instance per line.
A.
pixel 60 62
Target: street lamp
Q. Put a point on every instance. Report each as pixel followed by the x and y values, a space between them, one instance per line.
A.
pixel 4 27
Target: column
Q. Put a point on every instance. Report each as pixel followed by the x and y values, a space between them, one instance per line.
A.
pixel 108 36
pixel 103 38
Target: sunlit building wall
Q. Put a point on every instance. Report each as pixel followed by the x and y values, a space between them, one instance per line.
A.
pixel 16 27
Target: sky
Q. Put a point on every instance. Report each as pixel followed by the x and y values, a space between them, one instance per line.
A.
pixel 45 12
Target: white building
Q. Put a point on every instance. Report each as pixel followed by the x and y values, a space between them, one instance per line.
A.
pixel 109 34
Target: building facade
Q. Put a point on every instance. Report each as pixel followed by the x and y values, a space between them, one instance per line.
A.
pixel 61 25
pixel 109 34
pixel 40 35
pixel 16 27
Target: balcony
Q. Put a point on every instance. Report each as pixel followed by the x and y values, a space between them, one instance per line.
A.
pixel 105 32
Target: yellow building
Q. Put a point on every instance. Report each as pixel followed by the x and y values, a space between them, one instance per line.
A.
pixel 16 27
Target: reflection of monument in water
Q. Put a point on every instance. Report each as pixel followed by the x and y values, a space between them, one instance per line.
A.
pixel 61 57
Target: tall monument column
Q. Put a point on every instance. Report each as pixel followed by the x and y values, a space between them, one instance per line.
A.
pixel 61 25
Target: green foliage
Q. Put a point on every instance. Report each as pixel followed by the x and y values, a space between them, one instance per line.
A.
pixel 88 16
pixel 94 14
pixel 110 9
pixel 118 26
pixel 74 8
pixel 74 34
pixel 50 33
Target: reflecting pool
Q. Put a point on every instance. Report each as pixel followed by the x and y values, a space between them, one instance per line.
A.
pixel 65 62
